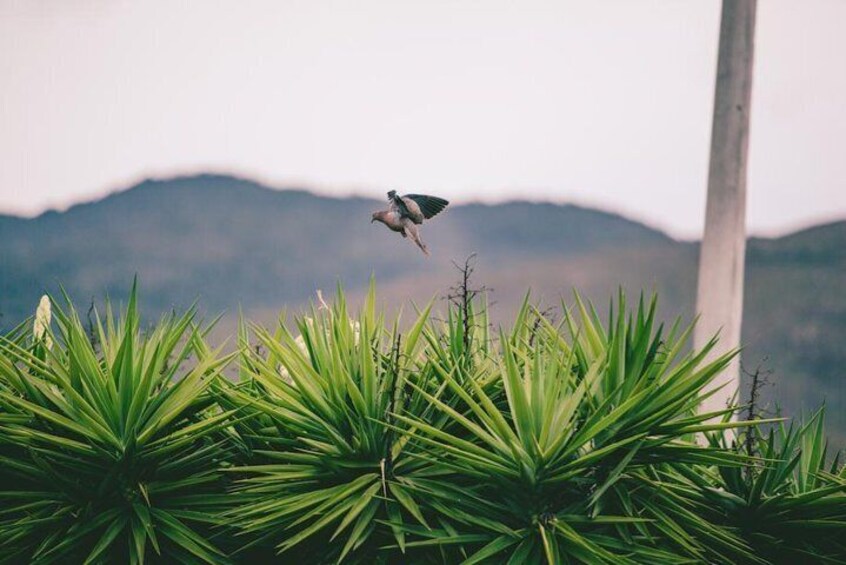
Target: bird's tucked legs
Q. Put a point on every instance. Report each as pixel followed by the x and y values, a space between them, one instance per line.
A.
pixel 411 230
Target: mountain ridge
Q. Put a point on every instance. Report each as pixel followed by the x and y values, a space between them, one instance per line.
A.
pixel 247 181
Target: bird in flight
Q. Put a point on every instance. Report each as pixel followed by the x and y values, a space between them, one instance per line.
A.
pixel 405 213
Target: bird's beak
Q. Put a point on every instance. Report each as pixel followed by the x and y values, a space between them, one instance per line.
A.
pixel 372 220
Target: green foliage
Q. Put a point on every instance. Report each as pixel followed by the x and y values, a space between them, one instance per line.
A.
pixel 790 505
pixel 321 443
pixel 438 440
pixel 546 452
pixel 109 447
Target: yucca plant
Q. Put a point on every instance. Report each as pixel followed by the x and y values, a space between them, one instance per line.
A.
pixel 789 503
pixel 318 410
pixel 110 445
pixel 444 446
pixel 552 453
pixel 349 439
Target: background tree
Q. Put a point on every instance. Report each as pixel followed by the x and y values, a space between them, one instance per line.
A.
pixel 719 298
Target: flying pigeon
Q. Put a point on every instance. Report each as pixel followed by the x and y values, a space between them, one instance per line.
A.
pixel 405 213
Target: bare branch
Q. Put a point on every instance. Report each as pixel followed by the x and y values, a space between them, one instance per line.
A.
pixel 462 296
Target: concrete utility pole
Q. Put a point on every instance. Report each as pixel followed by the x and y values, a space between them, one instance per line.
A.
pixel 719 299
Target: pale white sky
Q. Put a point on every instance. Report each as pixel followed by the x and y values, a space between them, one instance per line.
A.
pixel 605 103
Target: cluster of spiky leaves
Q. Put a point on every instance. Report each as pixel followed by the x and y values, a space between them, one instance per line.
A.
pixel 109 447
pixel 316 413
pixel 436 441
pixel 790 505
pixel 577 442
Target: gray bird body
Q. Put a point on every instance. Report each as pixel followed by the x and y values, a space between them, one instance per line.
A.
pixel 405 213
pixel 392 219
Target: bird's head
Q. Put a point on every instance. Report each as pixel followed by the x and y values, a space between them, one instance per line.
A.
pixel 376 217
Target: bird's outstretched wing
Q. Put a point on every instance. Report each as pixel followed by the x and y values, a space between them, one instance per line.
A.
pixel 429 205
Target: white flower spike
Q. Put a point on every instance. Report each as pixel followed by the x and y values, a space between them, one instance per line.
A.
pixel 43 316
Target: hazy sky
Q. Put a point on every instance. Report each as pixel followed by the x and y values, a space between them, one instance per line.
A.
pixel 598 102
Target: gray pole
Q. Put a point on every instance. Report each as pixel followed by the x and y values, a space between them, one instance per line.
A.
pixel 719 299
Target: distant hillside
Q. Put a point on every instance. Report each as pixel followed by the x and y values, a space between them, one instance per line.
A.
pixel 231 242
pixel 235 241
